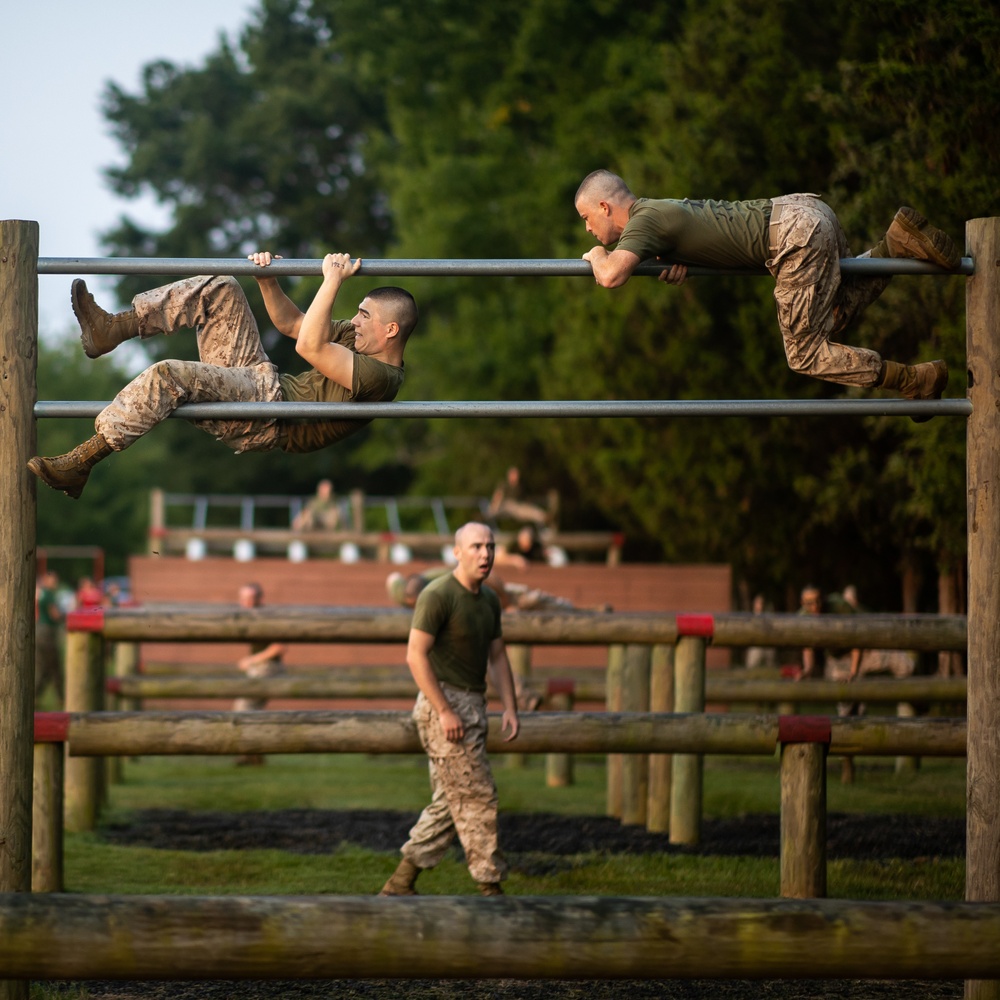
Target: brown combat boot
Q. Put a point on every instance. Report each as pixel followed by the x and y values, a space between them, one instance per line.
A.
pixel 70 472
pixel 489 889
pixel 401 882
pixel 100 331
pixel 911 236
pixel 924 381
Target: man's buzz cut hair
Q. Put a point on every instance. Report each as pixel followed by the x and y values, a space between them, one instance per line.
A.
pixel 396 305
pixel 603 185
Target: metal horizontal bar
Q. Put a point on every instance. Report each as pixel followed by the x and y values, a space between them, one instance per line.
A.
pixel 541 408
pixel 408 267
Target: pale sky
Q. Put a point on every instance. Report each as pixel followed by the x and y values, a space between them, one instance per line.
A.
pixel 58 55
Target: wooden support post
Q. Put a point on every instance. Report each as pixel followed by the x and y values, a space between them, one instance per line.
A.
pixel 126 664
pixel 520 667
pixel 635 769
pixel 661 699
pixel 613 703
pixel 689 696
pixel 905 710
pixel 47 819
pixel 982 863
pixel 559 766
pixel 804 743
pixel 84 693
pixel 18 359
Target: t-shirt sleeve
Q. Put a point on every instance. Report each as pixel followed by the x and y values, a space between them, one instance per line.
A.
pixel 342 332
pixel 644 238
pixel 430 612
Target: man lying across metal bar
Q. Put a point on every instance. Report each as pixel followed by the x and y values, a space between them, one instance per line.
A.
pixel 356 360
pixel 799 240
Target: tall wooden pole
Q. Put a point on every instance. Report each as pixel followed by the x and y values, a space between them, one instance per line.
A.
pixel 982 865
pixel 635 769
pixel 687 769
pixel 661 699
pixel 18 362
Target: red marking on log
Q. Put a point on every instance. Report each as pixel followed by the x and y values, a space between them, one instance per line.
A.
pixel 86 620
pixel 792 670
pixel 561 685
pixel 113 685
pixel 804 729
pixel 51 727
pixel 699 626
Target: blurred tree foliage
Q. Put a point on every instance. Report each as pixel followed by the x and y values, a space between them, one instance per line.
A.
pixel 441 128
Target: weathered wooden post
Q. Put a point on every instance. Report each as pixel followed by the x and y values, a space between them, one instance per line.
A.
pixel 18 362
pixel 982 864
pixel 84 693
pixel 693 633
pixel 51 731
pixel 559 766
pixel 906 710
pixel 613 703
pixel 635 769
pixel 520 667
pixel 804 742
pixel 125 664
pixel 661 699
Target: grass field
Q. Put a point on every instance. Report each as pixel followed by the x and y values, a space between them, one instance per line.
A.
pixel 733 787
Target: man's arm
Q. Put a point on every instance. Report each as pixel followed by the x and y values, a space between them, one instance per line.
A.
pixel 612 269
pixel 273 652
pixel 284 313
pixel 313 343
pixel 418 660
pixel 503 681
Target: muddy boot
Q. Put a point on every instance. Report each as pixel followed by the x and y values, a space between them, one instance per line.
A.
pixel 489 889
pixel 100 331
pixel 71 471
pixel 401 882
pixel 924 381
pixel 910 235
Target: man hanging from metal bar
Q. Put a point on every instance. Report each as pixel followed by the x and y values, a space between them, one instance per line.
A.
pixel 360 360
pixel 799 239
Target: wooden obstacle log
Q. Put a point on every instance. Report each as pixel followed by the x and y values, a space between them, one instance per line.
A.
pixel 228 623
pixel 982 880
pixel 153 733
pixel 47 818
pixel 559 766
pixel 18 362
pixel 687 770
pixel 613 703
pixel 84 694
pixel 661 699
pixel 635 769
pixel 718 689
pixel 323 937
pixel 804 742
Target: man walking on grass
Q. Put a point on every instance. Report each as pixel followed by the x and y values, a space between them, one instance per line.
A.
pixel 455 638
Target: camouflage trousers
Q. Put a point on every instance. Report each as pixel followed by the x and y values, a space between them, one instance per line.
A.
pixel 233 366
pixel 269 668
pixel 464 794
pixel 815 302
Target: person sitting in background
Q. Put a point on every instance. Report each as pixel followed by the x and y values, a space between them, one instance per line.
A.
pixel 265 660
pixel 529 548
pixel 322 512
pixel 508 502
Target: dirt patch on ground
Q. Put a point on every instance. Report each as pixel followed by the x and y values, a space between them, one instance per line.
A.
pixel 525 838
pixel 320 831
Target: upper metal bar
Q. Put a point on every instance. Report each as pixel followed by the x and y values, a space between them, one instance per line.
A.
pixel 500 267
pixel 543 408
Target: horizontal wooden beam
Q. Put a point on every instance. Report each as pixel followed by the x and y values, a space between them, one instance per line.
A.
pixel 109 734
pixel 75 937
pixel 727 690
pixel 228 623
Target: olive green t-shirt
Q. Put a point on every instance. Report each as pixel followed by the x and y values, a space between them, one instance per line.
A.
pixel 374 381
pixel 464 626
pixel 730 234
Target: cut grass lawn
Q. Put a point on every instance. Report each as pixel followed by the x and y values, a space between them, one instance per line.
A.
pixel 734 786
